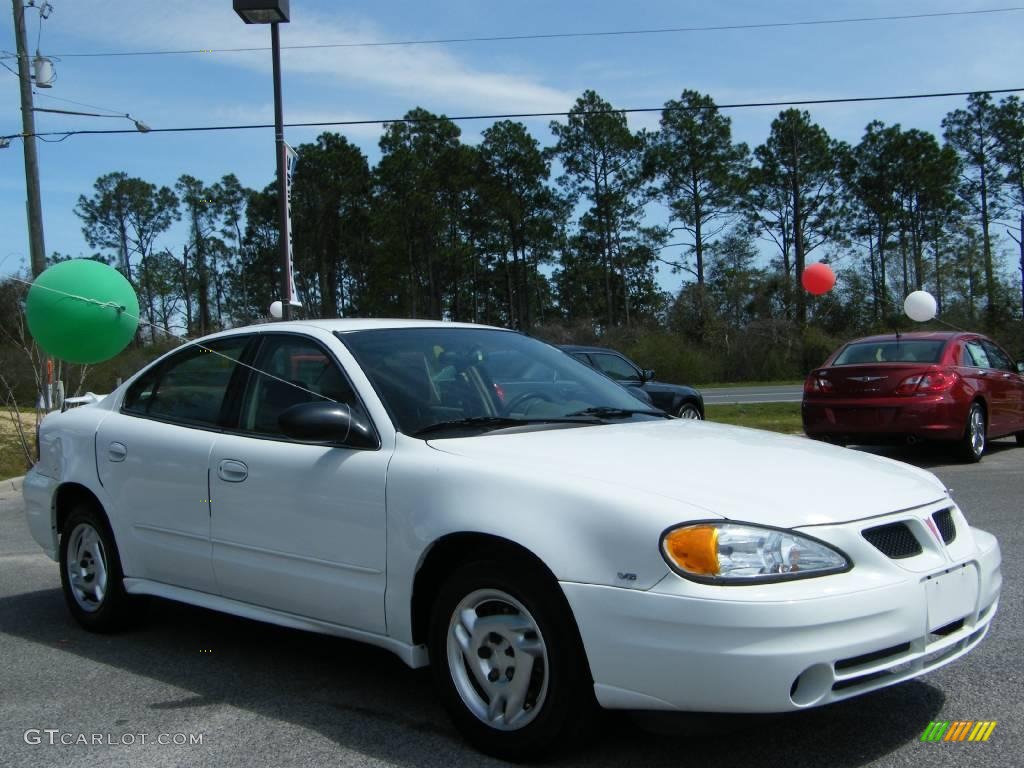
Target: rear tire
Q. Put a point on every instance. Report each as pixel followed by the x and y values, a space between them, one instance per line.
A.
pixel 971 446
pixel 90 572
pixel 507 660
pixel 1020 438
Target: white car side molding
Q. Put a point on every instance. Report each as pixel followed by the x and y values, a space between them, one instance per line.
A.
pixel 413 655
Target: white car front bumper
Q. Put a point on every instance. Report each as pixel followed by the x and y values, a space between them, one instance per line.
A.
pixel 665 649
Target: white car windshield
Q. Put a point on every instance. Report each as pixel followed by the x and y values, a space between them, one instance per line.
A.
pixel 446 381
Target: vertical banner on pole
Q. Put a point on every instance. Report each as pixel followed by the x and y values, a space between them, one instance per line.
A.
pixel 291 157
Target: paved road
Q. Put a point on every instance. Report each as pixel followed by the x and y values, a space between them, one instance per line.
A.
pixel 264 697
pixel 783 393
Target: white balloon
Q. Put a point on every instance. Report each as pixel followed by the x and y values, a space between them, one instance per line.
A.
pixel 277 310
pixel 920 306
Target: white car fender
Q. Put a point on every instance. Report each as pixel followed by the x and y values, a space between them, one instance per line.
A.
pixel 575 529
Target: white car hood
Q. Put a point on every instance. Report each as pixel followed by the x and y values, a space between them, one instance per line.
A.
pixel 737 473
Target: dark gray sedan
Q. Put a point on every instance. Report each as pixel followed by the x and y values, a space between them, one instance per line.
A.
pixel 677 399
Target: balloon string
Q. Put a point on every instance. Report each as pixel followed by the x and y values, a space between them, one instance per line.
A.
pixel 121 309
pixel 937 319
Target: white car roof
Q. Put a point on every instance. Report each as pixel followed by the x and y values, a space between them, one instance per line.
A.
pixel 345 325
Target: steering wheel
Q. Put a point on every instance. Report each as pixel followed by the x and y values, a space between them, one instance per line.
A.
pixel 518 400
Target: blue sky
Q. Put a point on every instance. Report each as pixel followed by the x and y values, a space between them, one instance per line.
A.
pixel 944 54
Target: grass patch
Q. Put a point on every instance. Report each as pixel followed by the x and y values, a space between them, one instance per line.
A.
pixel 776 417
pixel 733 384
pixel 12 457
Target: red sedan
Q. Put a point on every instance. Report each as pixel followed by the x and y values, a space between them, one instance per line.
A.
pixel 962 388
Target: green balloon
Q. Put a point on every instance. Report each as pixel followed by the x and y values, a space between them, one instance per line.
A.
pixel 82 311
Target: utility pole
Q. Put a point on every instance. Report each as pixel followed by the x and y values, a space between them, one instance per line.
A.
pixel 28 128
pixel 37 249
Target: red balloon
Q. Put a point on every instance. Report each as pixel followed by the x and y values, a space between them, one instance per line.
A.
pixel 818 279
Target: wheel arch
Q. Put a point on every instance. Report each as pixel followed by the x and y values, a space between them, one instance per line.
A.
pixel 448 553
pixel 67 496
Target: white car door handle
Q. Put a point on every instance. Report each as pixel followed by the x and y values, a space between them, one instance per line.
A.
pixel 117 452
pixel 231 471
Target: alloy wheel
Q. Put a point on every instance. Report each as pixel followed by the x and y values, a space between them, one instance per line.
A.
pixel 498 659
pixel 87 567
pixel 689 412
pixel 977 430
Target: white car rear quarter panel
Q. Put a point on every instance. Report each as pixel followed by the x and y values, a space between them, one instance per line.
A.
pixel 67 455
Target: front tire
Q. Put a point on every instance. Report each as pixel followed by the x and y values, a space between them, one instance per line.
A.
pixel 90 572
pixel 507 660
pixel 972 444
pixel 689 411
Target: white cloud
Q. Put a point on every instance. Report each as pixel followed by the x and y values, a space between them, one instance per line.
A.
pixel 429 74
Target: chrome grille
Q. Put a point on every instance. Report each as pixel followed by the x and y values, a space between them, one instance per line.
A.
pixel 894 540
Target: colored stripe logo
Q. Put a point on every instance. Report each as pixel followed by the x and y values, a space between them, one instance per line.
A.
pixel 958 730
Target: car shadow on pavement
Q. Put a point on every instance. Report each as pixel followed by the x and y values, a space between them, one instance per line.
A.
pixel 932 455
pixel 364 698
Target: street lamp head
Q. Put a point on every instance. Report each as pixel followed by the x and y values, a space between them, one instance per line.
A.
pixel 262 11
pixel 4 142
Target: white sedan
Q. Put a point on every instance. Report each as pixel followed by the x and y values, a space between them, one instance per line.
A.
pixel 475 499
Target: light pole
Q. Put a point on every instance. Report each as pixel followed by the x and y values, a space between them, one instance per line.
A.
pixel 274 12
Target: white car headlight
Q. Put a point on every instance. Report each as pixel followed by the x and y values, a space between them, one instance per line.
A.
pixel 716 552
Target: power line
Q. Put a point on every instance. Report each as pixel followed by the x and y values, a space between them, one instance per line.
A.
pixel 39 35
pixel 78 103
pixel 12 71
pixel 525 115
pixel 53 141
pixel 565 35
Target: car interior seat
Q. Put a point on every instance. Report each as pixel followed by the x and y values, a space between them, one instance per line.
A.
pixel 277 397
pixel 407 392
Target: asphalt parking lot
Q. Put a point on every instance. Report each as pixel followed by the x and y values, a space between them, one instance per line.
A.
pixel 263 696
pixel 783 393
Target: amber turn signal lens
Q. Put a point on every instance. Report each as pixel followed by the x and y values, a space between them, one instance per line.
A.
pixel 695 549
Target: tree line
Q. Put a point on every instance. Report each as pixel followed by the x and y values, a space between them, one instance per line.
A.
pixel 564 240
